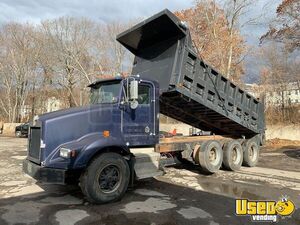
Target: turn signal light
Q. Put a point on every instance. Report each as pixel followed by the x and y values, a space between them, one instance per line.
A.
pixel 73 153
pixel 106 133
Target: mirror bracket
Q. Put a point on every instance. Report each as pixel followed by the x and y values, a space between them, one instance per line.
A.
pixel 133 94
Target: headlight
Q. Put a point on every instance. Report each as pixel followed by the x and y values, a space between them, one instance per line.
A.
pixel 65 152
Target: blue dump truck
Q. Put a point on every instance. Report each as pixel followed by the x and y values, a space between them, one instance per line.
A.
pixel 115 140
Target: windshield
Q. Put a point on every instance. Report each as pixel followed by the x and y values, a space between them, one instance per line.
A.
pixel 106 92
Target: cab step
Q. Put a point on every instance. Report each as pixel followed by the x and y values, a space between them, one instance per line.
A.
pixel 146 162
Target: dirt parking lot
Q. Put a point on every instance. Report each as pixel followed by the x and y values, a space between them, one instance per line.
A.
pixel 183 195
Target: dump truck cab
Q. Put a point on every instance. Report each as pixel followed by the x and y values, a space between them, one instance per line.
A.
pixel 137 108
pixel 122 120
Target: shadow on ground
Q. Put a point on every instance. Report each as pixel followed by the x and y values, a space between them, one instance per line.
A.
pixel 293 153
pixel 150 202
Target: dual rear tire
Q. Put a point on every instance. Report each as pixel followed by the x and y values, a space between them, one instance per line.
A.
pixel 233 155
pixel 251 153
pixel 211 156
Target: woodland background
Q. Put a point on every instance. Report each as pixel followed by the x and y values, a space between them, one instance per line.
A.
pixel 60 57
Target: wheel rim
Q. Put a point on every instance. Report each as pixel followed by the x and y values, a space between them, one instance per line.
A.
pixel 252 153
pixel 213 156
pixel 236 155
pixel 109 179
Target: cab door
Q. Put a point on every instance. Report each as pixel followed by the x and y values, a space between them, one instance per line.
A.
pixel 138 124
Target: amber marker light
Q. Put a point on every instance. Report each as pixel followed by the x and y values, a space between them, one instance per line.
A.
pixel 106 133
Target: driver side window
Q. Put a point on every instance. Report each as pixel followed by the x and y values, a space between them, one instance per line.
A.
pixel 144 95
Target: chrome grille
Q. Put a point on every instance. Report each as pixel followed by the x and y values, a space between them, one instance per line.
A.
pixel 34 142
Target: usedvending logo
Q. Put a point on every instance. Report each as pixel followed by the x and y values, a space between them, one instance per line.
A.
pixel 267 211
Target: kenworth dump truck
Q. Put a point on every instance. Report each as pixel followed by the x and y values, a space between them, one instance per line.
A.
pixel 115 140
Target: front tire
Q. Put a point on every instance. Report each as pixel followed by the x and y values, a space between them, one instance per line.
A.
pixel 106 179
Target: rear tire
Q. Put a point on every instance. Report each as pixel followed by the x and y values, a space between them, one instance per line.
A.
pixel 106 179
pixel 233 155
pixel 251 153
pixel 210 156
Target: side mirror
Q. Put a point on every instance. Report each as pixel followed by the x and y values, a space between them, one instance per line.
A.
pixel 134 94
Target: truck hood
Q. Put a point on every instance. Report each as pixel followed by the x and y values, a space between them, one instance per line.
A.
pixel 65 112
pixel 67 125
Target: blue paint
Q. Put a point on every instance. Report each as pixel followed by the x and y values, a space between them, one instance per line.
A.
pixel 81 128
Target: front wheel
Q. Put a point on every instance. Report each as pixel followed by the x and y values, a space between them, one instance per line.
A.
pixel 106 179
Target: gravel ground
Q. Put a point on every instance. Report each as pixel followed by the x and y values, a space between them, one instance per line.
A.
pixel 183 195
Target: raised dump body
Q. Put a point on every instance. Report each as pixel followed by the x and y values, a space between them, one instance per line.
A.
pixel 191 91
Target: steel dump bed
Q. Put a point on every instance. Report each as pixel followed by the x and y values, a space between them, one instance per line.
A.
pixel 191 91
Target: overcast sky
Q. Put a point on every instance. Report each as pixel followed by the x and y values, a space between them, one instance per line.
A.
pixel 109 10
pixel 104 10
pixel 123 10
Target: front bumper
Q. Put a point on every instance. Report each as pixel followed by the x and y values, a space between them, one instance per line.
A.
pixel 43 174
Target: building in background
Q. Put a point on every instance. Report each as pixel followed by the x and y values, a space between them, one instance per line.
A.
pixel 25 111
pixel 254 90
pixel 284 94
pixel 53 104
pixel 287 94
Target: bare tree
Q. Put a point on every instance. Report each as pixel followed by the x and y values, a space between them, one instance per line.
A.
pixel 234 11
pixel 216 36
pixel 111 57
pixel 17 63
pixel 286 27
pixel 70 40
pixel 56 58
pixel 278 78
pixel 119 55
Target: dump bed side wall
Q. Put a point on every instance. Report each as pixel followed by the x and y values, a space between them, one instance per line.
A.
pixel 204 94
pixel 194 93
pixel 191 91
